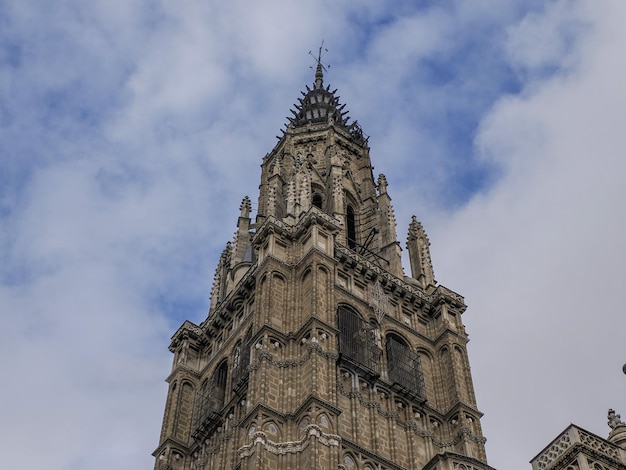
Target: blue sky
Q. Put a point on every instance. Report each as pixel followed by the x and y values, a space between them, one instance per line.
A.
pixel 131 130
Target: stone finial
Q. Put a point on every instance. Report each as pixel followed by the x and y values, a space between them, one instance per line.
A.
pixel 618 429
pixel 614 419
pixel 382 184
pixel 245 207
pixel 415 228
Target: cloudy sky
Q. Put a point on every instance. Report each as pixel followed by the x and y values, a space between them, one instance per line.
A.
pixel 130 130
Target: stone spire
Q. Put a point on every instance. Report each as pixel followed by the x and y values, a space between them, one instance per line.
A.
pixel 220 279
pixel 319 71
pixel 242 235
pixel 320 105
pixel 390 248
pixel 419 254
pixel 319 76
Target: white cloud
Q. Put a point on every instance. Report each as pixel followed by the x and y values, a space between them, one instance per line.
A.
pixel 540 257
pixel 129 128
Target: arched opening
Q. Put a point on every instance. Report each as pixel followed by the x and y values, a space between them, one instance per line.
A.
pixel 218 382
pixel 357 342
pixel 403 367
pixel 317 200
pixel 351 227
pixel 241 361
pixel 209 402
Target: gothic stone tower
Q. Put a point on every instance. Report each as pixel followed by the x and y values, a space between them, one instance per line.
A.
pixel 317 352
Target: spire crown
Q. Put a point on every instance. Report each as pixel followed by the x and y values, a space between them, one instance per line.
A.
pixel 319 105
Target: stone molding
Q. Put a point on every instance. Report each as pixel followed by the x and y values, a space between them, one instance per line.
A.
pixel 295 362
pixel 412 425
pixel 291 447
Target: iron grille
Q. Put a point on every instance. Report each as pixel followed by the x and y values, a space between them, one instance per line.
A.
pixel 208 404
pixel 357 342
pixel 241 361
pixel 404 369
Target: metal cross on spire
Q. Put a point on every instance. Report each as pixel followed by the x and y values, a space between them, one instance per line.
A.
pixel 318 59
pixel 321 68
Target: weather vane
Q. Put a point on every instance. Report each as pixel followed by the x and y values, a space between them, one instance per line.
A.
pixel 318 59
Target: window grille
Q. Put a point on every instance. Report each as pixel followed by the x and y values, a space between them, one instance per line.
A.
pixel 357 342
pixel 209 402
pixel 241 361
pixel 404 368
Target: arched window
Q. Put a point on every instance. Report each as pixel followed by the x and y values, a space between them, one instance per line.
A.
pixel 357 342
pixel 241 361
pixel 317 200
pixel 218 382
pixel 403 367
pixel 351 227
pixel 349 462
pixel 209 402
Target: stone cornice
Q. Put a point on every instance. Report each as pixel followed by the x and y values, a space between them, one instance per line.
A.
pixel 186 330
pixel 270 225
pixel 315 216
pixel 375 457
pixel 289 415
pixel 171 442
pixel 366 267
pixel 224 308
pixel 400 287
pixel 183 370
pixel 474 464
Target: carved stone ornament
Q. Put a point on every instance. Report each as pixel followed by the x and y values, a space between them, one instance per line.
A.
pixel 382 184
pixel 378 300
pixel 281 448
pixel 614 420
pixel 245 207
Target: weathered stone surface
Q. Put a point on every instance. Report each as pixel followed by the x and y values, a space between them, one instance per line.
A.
pixel 318 353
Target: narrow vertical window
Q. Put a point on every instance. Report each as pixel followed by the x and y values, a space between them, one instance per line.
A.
pixel 241 361
pixel 317 200
pixel 351 226
pixel 219 386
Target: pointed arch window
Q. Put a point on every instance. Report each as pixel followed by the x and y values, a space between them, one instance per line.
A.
pixel 317 200
pixel 404 368
pixel 209 402
pixel 241 361
pixel 351 227
pixel 357 342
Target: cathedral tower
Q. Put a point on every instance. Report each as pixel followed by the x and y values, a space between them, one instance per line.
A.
pixel 318 352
